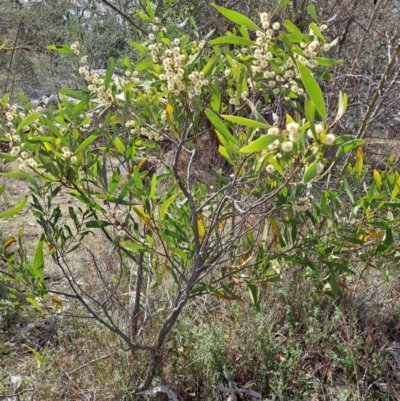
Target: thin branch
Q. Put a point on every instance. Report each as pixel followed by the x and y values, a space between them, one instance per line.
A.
pixel 92 361
pixel 124 16
pixel 12 56
pixel 138 288
pixel 17 394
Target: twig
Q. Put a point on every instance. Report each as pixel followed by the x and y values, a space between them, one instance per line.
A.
pixel 69 377
pixel 17 394
pixel 125 17
pixel 90 362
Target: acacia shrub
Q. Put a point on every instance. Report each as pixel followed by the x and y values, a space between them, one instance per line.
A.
pixel 275 210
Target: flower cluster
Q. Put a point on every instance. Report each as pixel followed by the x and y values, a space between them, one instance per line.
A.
pixel 133 77
pixel 274 145
pixel 67 154
pixel 319 129
pixel 320 168
pixel 198 81
pixel 96 86
pixel 11 132
pixel 25 160
pixel 156 50
pixel 261 53
pixel 130 124
pixel 75 47
pixel 302 205
pixel 151 133
pixel 270 168
pixel 13 117
pixel 293 131
pixel 310 51
pixel 173 62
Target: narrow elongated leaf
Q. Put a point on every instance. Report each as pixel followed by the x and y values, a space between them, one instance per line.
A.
pixel 309 107
pixel 145 65
pixel 293 29
pixel 149 9
pixel 61 49
pixel 313 89
pixel 86 143
pixel 359 162
pixel 216 96
pixel 115 180
pixel 395 190
pixel 2 188
pixel 142 215
pixel 378 180
pixel 316 30
pixel 38 308
pixel 207 69
pixel 143 16
pixel 98 224
pixel 255 114
pixel 312 12
pixel 200 228
pixel 153 186
pixel 244 32
pixel 16 210
pixel 141 49
pixel 245 121
pixel 119 145
pixel 109 73
pixel 38 262
pixel 232 40
pixel 224 153
pixel 327 62
pixel 166 204
pixel 311 172
pixel 137 178
pixel 253 293
pixel 236 17
pixel 72 93
pixel 259 144
pixel 132 246
pixel 348 189
pixel 282 4
pixel 28 120
pixel 348 146
pixel 221 127
pixel 388 239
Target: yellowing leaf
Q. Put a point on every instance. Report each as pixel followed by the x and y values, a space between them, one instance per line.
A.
pixel 375 235
pixel 200 227
pixel 170 110
pixel 378 180
pixel 47 146
pixel 275 232
pixel 9 242
pixel 142 215
pixel 221 224
pixel 223 296
pixel 57 304
pixel 359 162
pixel 396 189
pixel 141 163
pixel 237 281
